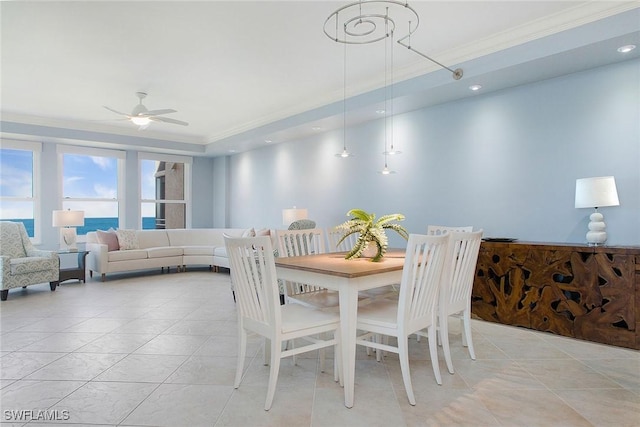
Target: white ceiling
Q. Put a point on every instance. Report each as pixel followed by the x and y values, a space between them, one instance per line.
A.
pixel 241 72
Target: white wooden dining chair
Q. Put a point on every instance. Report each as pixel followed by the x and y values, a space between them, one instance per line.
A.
pixel 414 311
pixel 437 230
pixel 299 243
pixel 455 289
pixel 253 270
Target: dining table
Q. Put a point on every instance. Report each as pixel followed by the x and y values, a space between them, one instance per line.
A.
pixel 348 277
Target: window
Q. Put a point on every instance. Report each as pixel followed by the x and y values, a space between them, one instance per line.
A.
pixel 165 190
pixel 92 182
pixel 20 185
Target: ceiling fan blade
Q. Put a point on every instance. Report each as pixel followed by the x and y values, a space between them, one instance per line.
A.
pixel 115 111
pixel 168 120
pixel 157 112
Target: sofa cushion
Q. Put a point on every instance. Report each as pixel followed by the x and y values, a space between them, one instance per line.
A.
pixel 220 251
pixel 128 255
pixel 109 238
pixel 166 251
pixel 127 239
pixel 198 250
pixel 201 236
pixel 153 239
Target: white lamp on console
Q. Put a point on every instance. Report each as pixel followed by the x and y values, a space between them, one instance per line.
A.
pixel 596 192
pixel 68 221
pixel 291 215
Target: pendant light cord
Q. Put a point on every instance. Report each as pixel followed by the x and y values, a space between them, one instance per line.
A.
pixel 344 101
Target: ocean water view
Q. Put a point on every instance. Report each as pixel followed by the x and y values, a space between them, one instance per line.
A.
pixel 91 224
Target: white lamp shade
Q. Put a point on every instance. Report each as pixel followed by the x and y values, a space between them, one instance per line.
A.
pixel 68 218
pixel 596 192
pixel 290 215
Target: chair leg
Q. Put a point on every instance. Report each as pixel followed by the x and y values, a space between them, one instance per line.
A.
pixel 466 333
pixel 403 353
pixel 267 351
pixel 273 372
pixel 380 339
pixel 293 346
pixel 433 352
pixel 337 359
pixel 443 334
pixel 242 350
pixel 4 294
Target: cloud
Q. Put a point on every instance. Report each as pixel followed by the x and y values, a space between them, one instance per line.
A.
pixel 15 182
pixel 105 192
pixel 103 163
pixel 71 179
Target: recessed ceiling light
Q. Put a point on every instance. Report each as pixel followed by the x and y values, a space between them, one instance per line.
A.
pixel 475 87
pixel 232 151
pixel 316 128
pixel 380 111
pixel 268 141
pixel 626 48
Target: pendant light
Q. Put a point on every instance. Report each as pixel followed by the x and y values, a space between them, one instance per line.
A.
pixel 345 153
pixel 391 151
pixel 388 46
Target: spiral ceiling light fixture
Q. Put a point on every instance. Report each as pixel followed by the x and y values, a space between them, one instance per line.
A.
pixel 370 21
pixel 366 21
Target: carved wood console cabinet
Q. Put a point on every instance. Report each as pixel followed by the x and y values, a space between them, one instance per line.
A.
pixel 591 293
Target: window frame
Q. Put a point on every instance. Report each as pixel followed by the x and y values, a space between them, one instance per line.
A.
pixel 187 161
pixel 120 157
pixel 36 173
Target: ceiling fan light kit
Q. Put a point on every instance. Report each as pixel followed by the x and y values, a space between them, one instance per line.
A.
pixel 142 117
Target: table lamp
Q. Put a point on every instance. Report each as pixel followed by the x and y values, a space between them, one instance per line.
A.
pixel 68 221
pixel 595 193
pixel 294 214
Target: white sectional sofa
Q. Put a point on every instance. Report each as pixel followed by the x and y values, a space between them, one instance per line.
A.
pixel 161 248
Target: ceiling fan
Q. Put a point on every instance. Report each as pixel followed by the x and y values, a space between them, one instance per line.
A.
pixel 142 117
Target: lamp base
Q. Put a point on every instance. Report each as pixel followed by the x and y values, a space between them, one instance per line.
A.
pixel 68 239
pixel 596 236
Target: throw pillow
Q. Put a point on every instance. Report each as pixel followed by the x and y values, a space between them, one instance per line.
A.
pixel 249 232
pixel 108 238
pixel 263 232
pixel 128 239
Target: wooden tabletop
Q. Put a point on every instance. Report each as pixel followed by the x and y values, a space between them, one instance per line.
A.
pixel 336 265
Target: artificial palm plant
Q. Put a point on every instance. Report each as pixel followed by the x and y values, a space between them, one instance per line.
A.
pixel 371 231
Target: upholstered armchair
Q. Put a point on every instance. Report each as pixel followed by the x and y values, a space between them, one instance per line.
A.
pixel 22 264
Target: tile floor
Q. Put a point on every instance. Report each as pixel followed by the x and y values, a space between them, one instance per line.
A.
pixel 160 350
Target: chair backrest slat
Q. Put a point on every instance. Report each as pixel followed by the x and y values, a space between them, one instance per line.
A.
pixel 423 267
pixel 300 242
pixel 460 267
pixel 335 245
pixel 254 278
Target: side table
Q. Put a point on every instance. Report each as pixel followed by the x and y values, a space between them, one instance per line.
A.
pixel 78 272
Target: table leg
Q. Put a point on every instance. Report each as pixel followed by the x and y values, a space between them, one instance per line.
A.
pixel 348 318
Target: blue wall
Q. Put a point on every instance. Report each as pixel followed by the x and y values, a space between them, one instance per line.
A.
pixel 505 161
